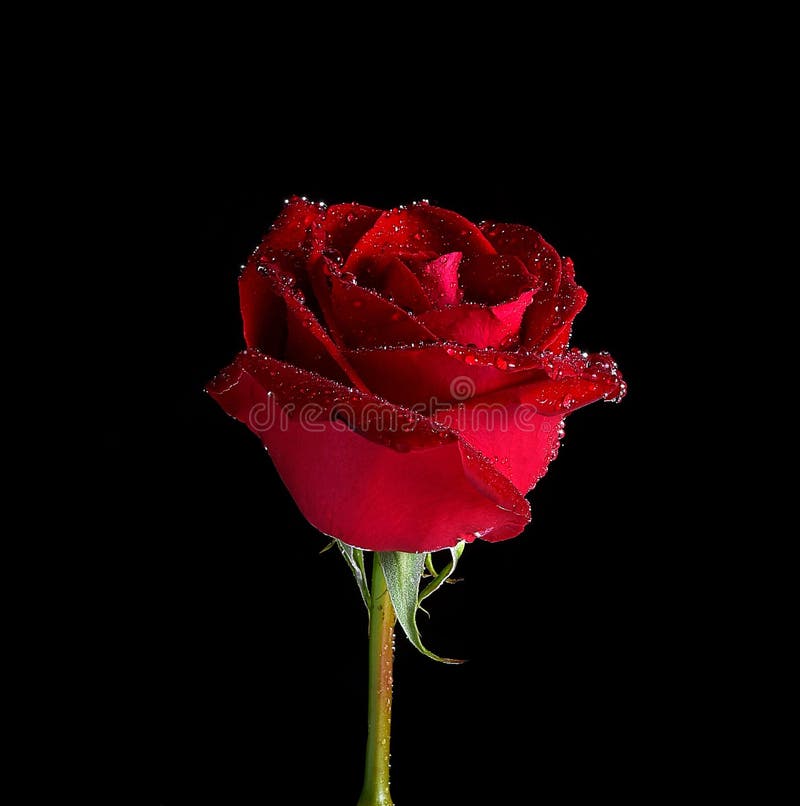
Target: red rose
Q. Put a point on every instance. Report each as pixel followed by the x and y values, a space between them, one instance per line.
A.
pixel 408 371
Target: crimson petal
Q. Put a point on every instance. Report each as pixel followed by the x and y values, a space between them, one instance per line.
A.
pixel 579 380
pixel 408 489
pixel 360 317
pixel 439 279
pixel 492 279
pixel 519 428
pixel 277 322
pixel 344 224
pixel 481 325
pixel 393 279
pixel 542 262
pixel 420 231
pixel 568 304
pixel 290 232
pixel 519 440
pixel 431 374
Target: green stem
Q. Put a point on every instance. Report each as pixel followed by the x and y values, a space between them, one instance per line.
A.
pixel 381 656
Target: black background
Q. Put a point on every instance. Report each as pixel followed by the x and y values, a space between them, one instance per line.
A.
pixel 234 655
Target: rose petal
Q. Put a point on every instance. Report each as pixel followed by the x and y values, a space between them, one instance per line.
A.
pixel 263 310
pixel 420 231
pixel 277 321
pixel 481 325
pixel 542 262
pixel 529 246
pixel 519 441
pixel 290 232
pixel 568 304
pixel 437 373
pixel 548 321
pixel 577 380
pixel 439 279
pixel 393 279
pixel 428 376
pixel 375 489
pixel 493 279
pixel 519 428
pixel 344 224
pixel 360 317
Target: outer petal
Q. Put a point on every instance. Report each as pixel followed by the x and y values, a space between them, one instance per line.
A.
pixel 277 321
pixel 518 440
pixel 344 224
pixel 568 304
pixel 481 325
pixel 493 279
pixel 412 490
pixel 428 376
pixel 420 231
pixel 263 308
pixel 393 279
pixel 438 374
pixel 575 381
pixel 290 232
pixel 542 262
pixel 519 428
pixel 360 317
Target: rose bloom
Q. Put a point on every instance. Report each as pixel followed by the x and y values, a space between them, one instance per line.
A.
pixel 409 371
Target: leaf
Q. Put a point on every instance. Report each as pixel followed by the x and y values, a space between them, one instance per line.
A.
pixel 442 577
pixel 355 559
pixel 403 572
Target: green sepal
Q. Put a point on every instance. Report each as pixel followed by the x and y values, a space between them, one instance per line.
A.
pixel 355 559
pixel 403 572
pixel 445 574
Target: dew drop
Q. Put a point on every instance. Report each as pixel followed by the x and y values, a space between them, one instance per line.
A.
pixel 334 255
